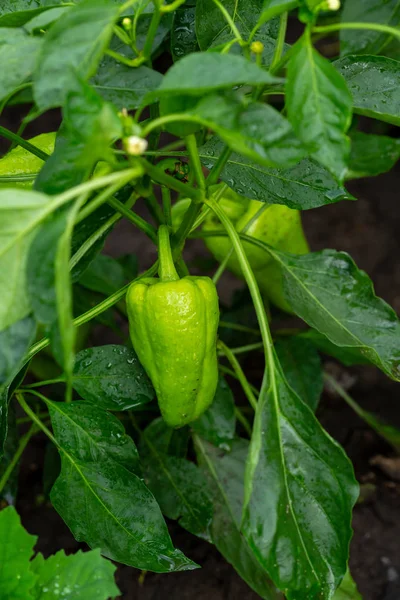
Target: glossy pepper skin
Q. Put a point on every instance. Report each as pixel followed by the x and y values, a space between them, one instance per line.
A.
pixel 277 225
pixel 173 327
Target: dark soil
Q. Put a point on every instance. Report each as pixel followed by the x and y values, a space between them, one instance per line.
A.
pixel 369 231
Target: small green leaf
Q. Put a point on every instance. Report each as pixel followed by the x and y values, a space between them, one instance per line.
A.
pixel 374 84
pixel 301 364
pixel 306 185
pixel 112 377
pixel 16 549
pixel 179 488
pixel 272 8
pixel 121 516
pixel 124 86
pixel 217 425
pixel 299 493
pixel 347 589
pixel 80 576
pixel 22 163
pixel 225 473
pixel 200 73
pixel 18 53
pixel 367 41
pixel 104 275
pixel 372 154
pixel 91 23
pixel 319 106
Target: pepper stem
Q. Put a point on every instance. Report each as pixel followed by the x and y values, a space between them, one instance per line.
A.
pixel 166 269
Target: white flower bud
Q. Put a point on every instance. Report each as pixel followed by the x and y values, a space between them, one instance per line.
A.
pixel 135 145
pixel 333 4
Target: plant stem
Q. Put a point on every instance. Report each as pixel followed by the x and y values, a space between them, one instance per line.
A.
pixel 395 32
pixel 94 184
pixel 243 420
pixel 148 229
pixel 231 373
pixel 35 417
pixel 230 21
pixel 217 169
pixel 154 208
pixel 185 227
pixel 247 348
pixel 166 202
pixel 13 137
pixel 238 327
pixel 166 267
pixel 46 382
pixel 13 463
pixel 252 285
pixel 174 184
pixel 151 34
pixel 191 145
pixel 239 373
pixel 283 19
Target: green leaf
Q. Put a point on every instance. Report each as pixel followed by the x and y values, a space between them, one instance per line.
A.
pixel 319 106
pixel 372 154
pixel 85 229
pixel 20 163
pixel 42 21
pixel 91 25
pixel 200 73
pixel 21 213
pixel 367 41
pixel 374 83
pixel 299 493
pixel 10 487
pixel 212 28
pixel 306 185
pixel 100 434
pixel 272 8
pixel 15 14
pixel 225 473
pixel 18 53
pixel 104 275
pixel 41 268
pixel 183 32
pixel 112 377
pixel 256 131
pixel 347 589
pixel 14 343
pixel 90 126
pixel 80 576
pixel 179 488
pixel 124 86
pixel 121 516
pixel 345 354
pixel 329 292
pixel 301 364
pixel 16 549
pixel 217 425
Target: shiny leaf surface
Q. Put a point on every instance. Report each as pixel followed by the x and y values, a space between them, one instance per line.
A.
pixel 112 377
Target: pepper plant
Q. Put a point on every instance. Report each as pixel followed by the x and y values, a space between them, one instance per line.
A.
pixel 201 111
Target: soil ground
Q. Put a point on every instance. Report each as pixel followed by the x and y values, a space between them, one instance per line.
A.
pixel 369 231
